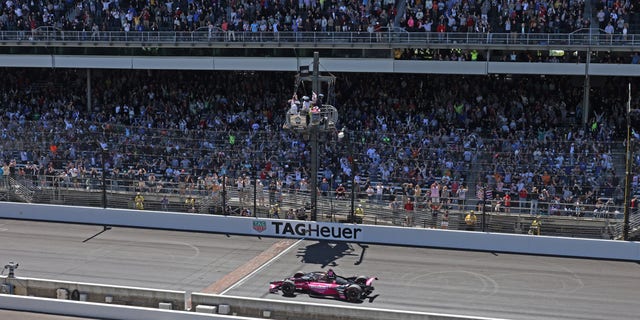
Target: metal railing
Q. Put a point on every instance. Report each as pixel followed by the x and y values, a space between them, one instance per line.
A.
pixel 20 189
pixel 389 38
pixel 634 224
pixel 602 220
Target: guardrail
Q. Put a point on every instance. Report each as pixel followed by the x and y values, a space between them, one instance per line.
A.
pixel 148 38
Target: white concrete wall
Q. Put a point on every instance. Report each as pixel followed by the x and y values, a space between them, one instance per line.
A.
pixel 292 64
pixel 434 238
pixel 141 297
pixel 100 311
pixel 298 310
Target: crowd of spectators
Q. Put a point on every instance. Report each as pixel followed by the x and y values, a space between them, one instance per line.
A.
pixel 182 131
pixel 613 17
pixel 250 16
pixel 507 16
pixel 496 16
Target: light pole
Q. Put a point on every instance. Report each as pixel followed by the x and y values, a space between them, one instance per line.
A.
pixel 321 122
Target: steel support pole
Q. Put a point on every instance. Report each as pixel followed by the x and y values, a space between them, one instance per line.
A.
pixel 104 179
pixel 224 195
pixel 89 107
pixel 313 136
pixel 255 194
pixel 255 183
pixel 484 205
pixel 352 217
pixel 627 177
pixel 587 88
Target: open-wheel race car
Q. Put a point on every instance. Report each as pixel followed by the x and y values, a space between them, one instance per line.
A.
pixel 325 284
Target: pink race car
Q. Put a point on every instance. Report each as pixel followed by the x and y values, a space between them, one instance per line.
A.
pixel 326 284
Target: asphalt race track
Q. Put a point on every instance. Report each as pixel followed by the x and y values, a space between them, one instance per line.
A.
pixel 15 315
pixel 127 257
pixel 503 286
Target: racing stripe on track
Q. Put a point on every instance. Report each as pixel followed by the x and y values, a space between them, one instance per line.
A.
pixel 238 274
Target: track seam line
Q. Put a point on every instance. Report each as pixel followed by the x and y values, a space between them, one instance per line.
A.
pixel 264 265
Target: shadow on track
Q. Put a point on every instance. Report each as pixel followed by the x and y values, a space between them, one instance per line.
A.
pixel 364 248
pixel 325 253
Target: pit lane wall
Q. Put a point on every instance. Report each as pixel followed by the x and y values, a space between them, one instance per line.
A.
pixel 100 310
pixel 92 292
pixel 433 238
pixel 289 310
pixel 131 303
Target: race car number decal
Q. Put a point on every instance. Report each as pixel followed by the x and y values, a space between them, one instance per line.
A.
pixel 319 288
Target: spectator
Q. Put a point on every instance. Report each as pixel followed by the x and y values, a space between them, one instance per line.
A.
pixel 359 214
pixel 139 201
pixel 536 225
pixel 470 220
pixel 341 192
pixel 149 135
pixel 164 203
pixel 409 213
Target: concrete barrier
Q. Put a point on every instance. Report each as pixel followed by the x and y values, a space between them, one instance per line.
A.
pixel 206 308
pixel 120 295
pixel 145 304
pixel 101 311
pixel 285 310
pixel 434 238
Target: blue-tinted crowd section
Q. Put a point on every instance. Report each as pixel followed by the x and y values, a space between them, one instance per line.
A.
pixel 188 129
pixel 506 16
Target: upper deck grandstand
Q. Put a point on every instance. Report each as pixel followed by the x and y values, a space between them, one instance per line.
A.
pixel 358 29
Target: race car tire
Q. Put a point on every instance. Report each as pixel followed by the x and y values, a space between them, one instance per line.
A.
pixel 361 281
pixel 353 293
pixel 298 274
pixel 288 288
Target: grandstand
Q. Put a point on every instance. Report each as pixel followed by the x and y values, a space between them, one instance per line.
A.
pixel 164 137
pixel 500 124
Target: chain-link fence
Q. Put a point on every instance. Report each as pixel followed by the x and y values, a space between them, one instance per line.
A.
pixel 602 220
pixel 575 187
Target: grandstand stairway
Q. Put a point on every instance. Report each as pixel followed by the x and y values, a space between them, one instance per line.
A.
pixel 634 23
pixel 590 13
pixel 21 191
pixel 618 155
pixel 401 7
pixel 634 226
pixel 504 223
pixel 572 227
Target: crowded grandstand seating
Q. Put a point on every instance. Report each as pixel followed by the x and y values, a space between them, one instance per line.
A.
pixel 440 25
pixel 179 133
pixel 326 16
